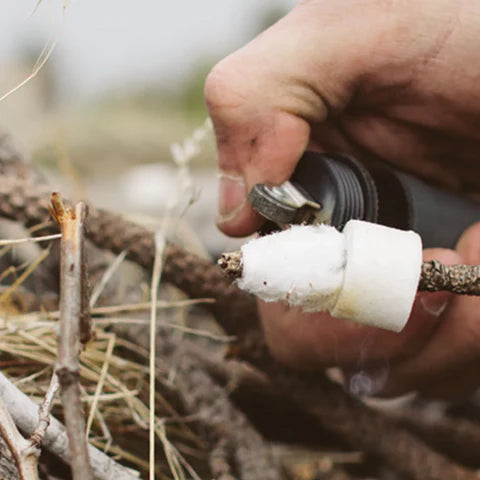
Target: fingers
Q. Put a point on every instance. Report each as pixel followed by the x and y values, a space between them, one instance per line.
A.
pixel 263 98
pixel 308 68
pixel 437 353
pixel 448 364
pixel 268 154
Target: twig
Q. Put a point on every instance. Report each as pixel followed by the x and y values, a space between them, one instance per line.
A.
pixel 25 455
pixel 174 326
pixel 434 276
pixel 128 307
pixel 36 438
pixel 23 411
pixel 138 307
pixel 72 310
pixel 98 390
pixel 156 276
pixel 41 60
pixel 18 241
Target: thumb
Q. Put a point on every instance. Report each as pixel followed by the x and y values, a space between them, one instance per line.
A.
pixel 263 98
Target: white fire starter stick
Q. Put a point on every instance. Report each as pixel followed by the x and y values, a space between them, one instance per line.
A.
pixel 368 273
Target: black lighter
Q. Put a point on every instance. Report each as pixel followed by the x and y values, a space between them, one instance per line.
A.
pixel 334 188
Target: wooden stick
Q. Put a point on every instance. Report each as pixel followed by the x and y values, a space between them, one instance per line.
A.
pixel 73 326
pixel 37 436
pixel 434 276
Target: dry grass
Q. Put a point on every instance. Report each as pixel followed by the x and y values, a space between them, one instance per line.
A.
pixel 44 55
pixel 115 379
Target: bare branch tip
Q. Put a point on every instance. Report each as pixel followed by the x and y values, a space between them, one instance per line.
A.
pixel 232 264
pixel 57 209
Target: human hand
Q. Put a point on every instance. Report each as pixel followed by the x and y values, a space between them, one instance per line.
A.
pixel 394 80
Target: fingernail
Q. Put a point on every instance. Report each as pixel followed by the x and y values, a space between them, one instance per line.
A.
pixel 434 303
pixel 232 196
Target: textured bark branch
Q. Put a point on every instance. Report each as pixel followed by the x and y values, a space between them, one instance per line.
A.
pixel 72 310
pixel 37 436
pixel 462 279
pixel 457 438
pixel 434 276
pixel 365 429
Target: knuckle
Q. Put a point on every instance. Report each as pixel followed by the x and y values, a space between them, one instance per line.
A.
pixel 223 88
pixel 213 84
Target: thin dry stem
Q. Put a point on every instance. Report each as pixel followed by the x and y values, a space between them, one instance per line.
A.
pixel 128 307
pixel 36 438
pixel 156 276
pixel 18 241
pixel 41 60
pixel 103 374
pixel 174 458
pixel 72 310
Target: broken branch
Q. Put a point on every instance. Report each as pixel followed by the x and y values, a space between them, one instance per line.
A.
pixel 73 309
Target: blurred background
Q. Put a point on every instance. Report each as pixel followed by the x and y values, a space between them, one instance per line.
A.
pixel 123 83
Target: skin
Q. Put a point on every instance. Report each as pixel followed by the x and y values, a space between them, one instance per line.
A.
pixel 391 79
